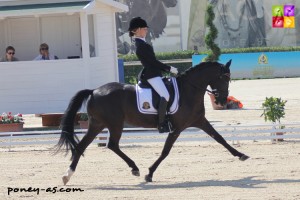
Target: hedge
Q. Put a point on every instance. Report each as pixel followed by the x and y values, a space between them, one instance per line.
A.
pixel 187 54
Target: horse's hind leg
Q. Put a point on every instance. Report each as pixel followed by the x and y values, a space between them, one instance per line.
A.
pixel 207 127
pixel 82 145
pixel 113 144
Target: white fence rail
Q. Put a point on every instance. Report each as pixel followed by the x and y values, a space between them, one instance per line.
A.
pixel 234 133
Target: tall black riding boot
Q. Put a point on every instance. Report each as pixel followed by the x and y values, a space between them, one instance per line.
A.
pixel 163 123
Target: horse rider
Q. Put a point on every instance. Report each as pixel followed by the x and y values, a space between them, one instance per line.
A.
pixel 152 70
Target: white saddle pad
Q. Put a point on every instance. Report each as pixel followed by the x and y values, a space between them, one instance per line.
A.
pixel 144 99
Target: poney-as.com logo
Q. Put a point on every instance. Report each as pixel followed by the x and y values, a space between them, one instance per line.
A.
pixel 283 16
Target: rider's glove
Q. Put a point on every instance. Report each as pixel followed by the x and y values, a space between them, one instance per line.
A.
pixel 174 70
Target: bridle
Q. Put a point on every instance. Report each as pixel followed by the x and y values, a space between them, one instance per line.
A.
pixel 215 91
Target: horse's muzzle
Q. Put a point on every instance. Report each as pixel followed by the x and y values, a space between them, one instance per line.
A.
pixel 220 98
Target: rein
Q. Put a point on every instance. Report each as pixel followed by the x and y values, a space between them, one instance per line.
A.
pixel 213 91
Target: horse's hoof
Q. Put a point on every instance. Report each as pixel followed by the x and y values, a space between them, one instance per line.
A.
pixel 65 179
pixel 135 172
pixel 244 157
pixel 148 178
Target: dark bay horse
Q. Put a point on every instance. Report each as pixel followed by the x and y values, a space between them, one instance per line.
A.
pixel 110 105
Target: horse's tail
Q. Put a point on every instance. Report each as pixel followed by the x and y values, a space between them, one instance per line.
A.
pixel 68 138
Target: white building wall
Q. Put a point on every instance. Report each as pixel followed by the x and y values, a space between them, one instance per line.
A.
pixel 32 88
pixel 104 69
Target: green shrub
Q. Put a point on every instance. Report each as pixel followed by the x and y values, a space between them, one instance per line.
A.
pixel 273 109
pixel 215 52
pixel 83 117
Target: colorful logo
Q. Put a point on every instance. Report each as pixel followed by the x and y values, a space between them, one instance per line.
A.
pixel 283 16
pixel 262 59
pixel 278 22
pixel 277 11
pixel 289 10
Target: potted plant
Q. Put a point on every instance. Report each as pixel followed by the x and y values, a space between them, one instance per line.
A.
pixel 51 119
pixel 11 123
pixel 273 110
pixel 83 120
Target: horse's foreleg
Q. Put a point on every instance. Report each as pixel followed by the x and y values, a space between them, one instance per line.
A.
pixel 172 137
pixel 113 145
pixel 207 127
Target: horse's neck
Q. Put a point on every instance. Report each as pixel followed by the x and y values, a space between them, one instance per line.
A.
pixel 192 90
pixel 195 87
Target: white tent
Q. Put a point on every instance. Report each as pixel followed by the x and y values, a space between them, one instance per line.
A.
pixel 79 29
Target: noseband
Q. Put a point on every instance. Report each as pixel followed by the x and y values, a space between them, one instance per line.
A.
pixel 214 92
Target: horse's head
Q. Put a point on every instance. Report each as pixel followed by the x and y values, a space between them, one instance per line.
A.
pixel 220 84
pixel 170 3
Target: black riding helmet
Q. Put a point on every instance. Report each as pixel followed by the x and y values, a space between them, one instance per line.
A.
pixel 135 23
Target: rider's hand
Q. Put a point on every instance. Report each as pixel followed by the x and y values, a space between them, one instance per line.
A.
pixel 174 70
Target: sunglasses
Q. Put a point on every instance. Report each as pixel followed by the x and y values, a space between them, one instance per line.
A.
pixel 11 53
pixel 44 49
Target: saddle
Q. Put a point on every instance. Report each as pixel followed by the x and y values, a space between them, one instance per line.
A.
pixel 148 99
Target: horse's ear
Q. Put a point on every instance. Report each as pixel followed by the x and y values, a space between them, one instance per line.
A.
pixel 228 64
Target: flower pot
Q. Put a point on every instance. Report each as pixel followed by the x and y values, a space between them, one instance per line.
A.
pixel 83 124
pixel 280 139
pixel 51 119
pixel 102 144
pixel 54 119
pixel 13 127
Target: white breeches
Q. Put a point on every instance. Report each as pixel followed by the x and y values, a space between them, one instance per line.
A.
pixel 159 86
